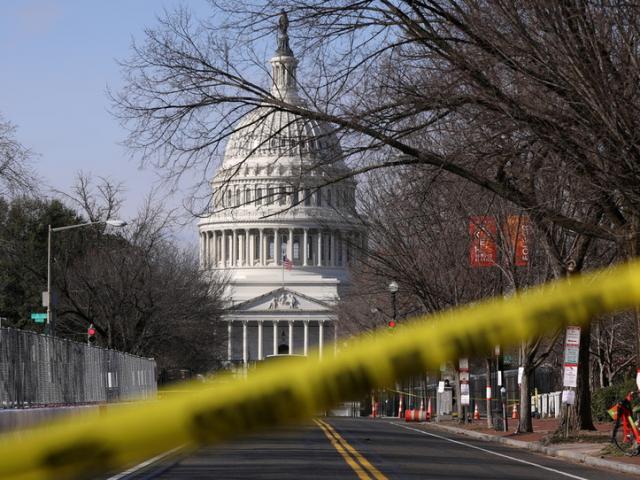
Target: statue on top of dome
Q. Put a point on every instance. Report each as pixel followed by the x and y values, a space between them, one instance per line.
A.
pixel 283 36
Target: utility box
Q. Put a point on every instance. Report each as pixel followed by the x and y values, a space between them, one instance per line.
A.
pixel 445 404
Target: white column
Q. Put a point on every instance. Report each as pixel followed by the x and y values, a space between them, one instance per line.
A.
pixel 333 249
pixel 203 244
pixel 319 248
pixel 276 247
pixel 290 337
pixel 214 251
pixel 223 243
pixel 306 337
pixel 259 339
pixel 262 249
pixel 275 337
pixel 320 336
pixel 240 249
pixel 248 247
pixel 229 341
pixel 290 245
pixel 305 247
pixel 234 248
pixel 344 249
pixel 245 357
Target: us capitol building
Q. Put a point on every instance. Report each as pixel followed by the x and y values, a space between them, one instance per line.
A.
pixel 280 230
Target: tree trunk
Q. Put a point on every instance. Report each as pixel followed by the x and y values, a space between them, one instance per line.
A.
pixel 458 395
pixel 525 423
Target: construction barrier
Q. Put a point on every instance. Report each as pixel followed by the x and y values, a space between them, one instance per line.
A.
pixel 413 415
pixel 284 393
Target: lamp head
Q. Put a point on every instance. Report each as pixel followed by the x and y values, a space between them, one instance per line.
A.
pixel 116 223
pixel 393 286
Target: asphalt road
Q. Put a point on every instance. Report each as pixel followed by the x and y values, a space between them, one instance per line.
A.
pixel 364 449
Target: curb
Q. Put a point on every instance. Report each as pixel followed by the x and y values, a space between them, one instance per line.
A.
pixel 551 452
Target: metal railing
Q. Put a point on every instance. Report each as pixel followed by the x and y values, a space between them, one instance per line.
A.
pixel 39 370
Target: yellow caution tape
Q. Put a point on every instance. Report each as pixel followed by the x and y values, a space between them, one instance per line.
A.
pixel 287 392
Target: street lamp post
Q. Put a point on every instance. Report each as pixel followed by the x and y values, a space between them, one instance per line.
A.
pixel 112 222
pixel 393 288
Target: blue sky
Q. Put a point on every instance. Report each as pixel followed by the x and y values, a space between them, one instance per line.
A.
pixel 57 59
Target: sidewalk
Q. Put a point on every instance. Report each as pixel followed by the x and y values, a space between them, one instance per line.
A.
pixel 590 448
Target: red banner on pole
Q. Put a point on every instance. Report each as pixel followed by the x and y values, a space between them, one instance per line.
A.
pixel 483 251
pixel 517 232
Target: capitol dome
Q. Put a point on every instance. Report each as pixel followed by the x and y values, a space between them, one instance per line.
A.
pixel 282 226
pixel 267 134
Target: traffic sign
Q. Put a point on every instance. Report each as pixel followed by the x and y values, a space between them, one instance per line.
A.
pixel 39 317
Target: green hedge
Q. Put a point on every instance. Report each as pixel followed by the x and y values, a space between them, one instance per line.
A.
pixel 604 398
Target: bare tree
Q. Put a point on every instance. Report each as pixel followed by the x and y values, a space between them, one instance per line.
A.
pixel 521 98
pixel 143 293
pixel 15 173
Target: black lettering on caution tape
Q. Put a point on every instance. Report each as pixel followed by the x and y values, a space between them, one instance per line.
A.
pixel 246 414
pixel 82 457
pixel 407 363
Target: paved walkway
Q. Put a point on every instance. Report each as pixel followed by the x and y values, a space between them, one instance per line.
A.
pixel 593 448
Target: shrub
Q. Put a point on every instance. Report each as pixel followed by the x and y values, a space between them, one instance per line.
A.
pixel 606 397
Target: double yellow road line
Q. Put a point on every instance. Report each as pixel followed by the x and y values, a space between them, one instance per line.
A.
pixel 360 465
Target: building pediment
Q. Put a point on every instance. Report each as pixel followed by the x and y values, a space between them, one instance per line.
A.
pixel 282 299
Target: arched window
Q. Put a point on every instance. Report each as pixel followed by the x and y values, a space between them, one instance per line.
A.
pixel 271 192
pixel 295 196
pixel 307 197
pixel 258 196
pixel 247 195
pixel 228 198
pixel 282 200
pixel 329 197
pixel 238 202
pixel 318 198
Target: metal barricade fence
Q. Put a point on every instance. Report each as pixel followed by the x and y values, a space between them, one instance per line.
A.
pixel 39 370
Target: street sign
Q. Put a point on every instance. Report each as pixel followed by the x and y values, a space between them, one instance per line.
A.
pixel 571 354
pixel 569 397
pixel 570 376
pixel 573 336
pixel 39 317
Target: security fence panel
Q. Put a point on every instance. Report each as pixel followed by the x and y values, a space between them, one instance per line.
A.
pixel 38 370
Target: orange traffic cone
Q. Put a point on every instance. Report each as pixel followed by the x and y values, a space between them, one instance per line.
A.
pixel 429 409
pixel 514 412
pixel 476 413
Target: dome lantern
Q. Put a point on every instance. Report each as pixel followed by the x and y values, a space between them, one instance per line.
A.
pixel 283 66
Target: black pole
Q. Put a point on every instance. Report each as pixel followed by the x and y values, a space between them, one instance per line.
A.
pixel 393 304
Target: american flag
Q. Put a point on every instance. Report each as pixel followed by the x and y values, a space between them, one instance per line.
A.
pixel 288 264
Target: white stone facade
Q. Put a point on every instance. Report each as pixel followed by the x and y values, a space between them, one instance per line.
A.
pixel 273 200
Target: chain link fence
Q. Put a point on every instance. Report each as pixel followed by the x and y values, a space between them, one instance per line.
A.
pixel 38 370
